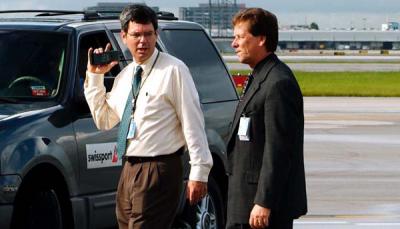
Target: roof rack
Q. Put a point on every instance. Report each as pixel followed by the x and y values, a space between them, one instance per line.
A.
pixel 42 12
pixel 88 14
pixel 96 15
pixel 166 15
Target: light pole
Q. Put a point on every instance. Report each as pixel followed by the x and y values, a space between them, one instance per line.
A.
pixel 210 16
pixel 364 20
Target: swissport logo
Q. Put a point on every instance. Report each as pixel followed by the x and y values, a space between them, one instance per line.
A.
pixel 102 155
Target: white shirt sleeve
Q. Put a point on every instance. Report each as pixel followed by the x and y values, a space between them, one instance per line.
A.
pixel 187 105
pixel 95 93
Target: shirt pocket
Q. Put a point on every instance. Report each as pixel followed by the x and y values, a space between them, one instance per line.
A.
pixel 153 105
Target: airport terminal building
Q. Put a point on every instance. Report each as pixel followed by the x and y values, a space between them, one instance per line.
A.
pixel 340 40
pixel 329 40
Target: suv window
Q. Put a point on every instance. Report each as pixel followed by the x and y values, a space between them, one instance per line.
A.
pixel 125 50
pixel 210 75
pixel 31 63
pixel 95 40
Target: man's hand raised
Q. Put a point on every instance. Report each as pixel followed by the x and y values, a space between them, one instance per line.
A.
pixel 100 69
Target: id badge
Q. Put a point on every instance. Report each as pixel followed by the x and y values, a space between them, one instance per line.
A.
pixel 244 129
pixel 132 129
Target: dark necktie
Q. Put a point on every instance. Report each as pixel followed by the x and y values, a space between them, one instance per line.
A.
pixel 247 85
pixel 126 117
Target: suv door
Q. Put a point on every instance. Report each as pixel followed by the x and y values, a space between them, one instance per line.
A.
pixel 98 161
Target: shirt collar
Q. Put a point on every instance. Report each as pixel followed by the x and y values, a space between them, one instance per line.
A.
pixel 257 69
pixel 146 66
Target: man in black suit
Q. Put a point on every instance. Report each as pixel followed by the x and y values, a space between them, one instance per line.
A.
pixel 265 147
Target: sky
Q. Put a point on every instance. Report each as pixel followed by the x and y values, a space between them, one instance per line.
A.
pixel 328 14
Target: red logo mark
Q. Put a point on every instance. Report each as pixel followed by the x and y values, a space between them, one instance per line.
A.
pixel 115 155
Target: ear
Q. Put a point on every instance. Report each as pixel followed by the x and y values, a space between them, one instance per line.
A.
pixel 262 41
pixel 123 36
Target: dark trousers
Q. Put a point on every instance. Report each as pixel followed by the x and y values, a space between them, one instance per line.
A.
pixel 148 193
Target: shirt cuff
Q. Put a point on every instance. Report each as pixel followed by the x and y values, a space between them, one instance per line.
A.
pixel 94 79
pixel 199 173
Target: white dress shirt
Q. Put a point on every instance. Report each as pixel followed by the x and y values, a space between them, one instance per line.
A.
pixel 168 114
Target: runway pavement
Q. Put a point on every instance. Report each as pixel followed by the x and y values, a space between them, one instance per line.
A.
pixel 332 67
pixel 328 58
pixel 352 160
pixel 331 63
pixel 345 67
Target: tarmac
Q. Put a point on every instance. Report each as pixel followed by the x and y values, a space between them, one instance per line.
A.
pixel 352 158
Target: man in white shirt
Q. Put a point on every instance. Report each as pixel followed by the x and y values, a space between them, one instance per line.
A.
pixel 164 115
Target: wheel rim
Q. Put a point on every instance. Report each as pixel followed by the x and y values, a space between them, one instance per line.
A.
pixel 206 214
pixel 44 212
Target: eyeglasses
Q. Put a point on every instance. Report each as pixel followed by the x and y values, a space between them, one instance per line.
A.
pixel 145 35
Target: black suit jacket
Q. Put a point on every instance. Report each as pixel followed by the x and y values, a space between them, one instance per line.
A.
pixel 268 170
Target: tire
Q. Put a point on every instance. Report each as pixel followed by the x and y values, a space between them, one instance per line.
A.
pixel 209 212
pixel 39 208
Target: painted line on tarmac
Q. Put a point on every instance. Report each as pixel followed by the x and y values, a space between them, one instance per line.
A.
pixel 378 224
pixel 347 223
pixel 348 138
pixel 321 222
pixel 350 122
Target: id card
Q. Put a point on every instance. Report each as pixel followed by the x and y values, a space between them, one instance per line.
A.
pixel 244 129
pixel 132 129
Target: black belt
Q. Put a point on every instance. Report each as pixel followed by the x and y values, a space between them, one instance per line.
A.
pixel 135 160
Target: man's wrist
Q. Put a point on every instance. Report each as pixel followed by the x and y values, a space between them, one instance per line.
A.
pixel 93 79
pixel 199 173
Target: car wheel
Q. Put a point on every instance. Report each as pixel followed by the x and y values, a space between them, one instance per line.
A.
pixel 39 208
pixel 209 212
pixel 45 210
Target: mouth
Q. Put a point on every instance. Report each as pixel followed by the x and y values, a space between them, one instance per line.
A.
pixel 141 50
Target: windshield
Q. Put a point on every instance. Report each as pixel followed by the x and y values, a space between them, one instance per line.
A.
pixel 208 71
pixel 31 63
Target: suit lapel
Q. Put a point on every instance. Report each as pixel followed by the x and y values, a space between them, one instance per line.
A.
pixel 259 77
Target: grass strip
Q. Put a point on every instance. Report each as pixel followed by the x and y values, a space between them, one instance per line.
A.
pixel 368 84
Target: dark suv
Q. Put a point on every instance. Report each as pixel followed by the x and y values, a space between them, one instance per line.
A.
pixel 57 170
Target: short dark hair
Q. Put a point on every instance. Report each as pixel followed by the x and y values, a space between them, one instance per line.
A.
pixel 138 13
pixel 261 23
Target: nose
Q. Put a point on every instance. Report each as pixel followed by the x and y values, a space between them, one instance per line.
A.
pixel 234 43
pixel 143 39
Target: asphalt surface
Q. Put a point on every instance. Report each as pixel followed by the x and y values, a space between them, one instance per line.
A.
pixel 352 160
pixel 345 67
pixel 332 67
pixel 331 63
pixel 313 57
